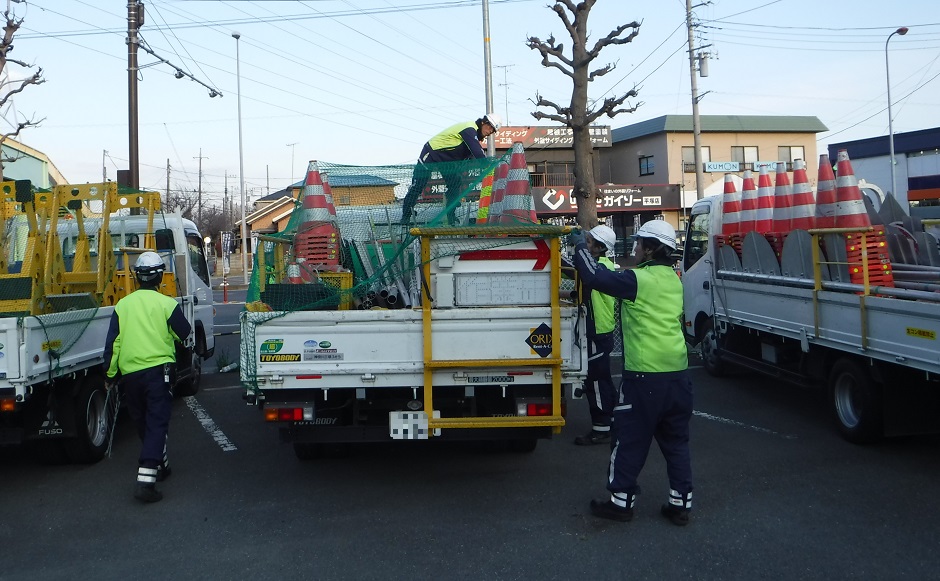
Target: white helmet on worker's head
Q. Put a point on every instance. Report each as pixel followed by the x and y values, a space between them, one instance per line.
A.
pixel 494 120
pixel 660 230
pixel 605 235
pixel 149 267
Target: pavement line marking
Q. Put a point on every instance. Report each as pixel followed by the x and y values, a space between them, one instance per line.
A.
pixel 209 425
pixel 224 388
pixel 738 424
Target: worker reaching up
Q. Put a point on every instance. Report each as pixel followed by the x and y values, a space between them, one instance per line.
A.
pixel 458 142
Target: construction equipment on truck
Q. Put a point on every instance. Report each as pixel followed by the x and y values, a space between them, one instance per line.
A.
pixel 66 258
pixel 421 331
pixel 822 291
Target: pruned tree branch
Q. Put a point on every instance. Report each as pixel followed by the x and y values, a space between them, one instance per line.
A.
pixel 601 72
pixel 34 79
pixel 549 48
pixel 562 114
pixel 613 37
pixel 611 104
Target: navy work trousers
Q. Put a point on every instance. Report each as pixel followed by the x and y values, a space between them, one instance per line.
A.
pixel 652 405
pixel 150 404
pixel 599 386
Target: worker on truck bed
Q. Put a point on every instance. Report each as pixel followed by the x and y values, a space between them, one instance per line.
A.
pixel 139 352
pixel 599 387
pixel 458 142
pixel 655 397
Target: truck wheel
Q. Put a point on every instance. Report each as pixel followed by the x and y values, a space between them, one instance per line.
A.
pixel 305 451
pixel 92 423
pixel 856 402
pixel 190 385
pixel 711 358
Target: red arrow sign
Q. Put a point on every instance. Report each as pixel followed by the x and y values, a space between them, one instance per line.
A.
pixel 541 253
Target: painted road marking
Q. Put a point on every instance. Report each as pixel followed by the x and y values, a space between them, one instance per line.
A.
pixel 209 425
pixel 738 424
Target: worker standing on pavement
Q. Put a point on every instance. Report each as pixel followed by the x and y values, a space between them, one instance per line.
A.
pixel 458 142
pixel 655 398
pixel 140 353
pixel 599 387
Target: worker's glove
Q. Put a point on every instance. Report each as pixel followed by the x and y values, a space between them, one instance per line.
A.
pixel 110 384
pixel 576 237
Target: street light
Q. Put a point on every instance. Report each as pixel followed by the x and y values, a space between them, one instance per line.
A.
pixel 894 187
pixel 241 159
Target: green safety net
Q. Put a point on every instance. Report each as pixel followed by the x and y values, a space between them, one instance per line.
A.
pixel 362 251
pixel 58 269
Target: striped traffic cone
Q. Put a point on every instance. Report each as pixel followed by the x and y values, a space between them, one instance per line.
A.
pixel 499 192
pixel 730 208
pixel 317 240
pixel 803 207
pixel 486 196
pixel 850 208
pixel 764 217
pixel 825 194
pixel 783 201
pixel 518 205
pixel 293 273
pixel 748 203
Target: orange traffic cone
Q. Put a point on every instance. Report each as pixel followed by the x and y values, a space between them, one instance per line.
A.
pixel 486 196
pixel 317 239
pixel 730 208
pixel 825 194
pixel 748 203
pixel 293 273
pixel 518 205
pixel 783 202
pixel 802 207
pixel 764 217
pixel 499 192
pixel 850 208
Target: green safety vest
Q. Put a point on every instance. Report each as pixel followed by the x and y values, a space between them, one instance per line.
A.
pixel 450 137
pixel 603 305
pixel 652 331
pixel 145 339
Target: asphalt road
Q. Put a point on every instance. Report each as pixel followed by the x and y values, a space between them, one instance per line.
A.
pixel 778 496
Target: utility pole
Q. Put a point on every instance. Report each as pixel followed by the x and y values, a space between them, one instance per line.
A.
pixel 135 19
pixel 199 198
pixel 168 207
pixel 291 146
pixel 696 122
pixel 267 178
pixel 488 73
pixel 104 166
pixel 505 83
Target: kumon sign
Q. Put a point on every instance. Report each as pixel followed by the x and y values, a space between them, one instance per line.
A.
pixel 611 198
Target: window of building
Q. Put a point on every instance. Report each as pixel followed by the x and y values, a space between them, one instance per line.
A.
pixel 551 174
pixel 744 154
pixel 647 165
pixel 688 157
pixel 790 153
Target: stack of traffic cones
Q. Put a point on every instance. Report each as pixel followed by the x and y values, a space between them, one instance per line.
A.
pixel 317 241
pixel 825 194
pixel 782 215
pixel 486 196
pixel 748 203
pixel 764 216
pixel 518 205
pixel 803 207
pixel 730 216
pixel 499 192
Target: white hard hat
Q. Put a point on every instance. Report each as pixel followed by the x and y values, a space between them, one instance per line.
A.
pixel 149 266
pixel 605 235
pixel 494 120
pixel 659 230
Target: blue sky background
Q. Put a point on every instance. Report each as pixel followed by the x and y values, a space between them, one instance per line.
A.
pixel 369 81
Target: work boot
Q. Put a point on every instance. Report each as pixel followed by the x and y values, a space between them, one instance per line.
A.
pixel 593 438
pixel 609 510
pixel 146 493
pixel 163 472
pixel 678 516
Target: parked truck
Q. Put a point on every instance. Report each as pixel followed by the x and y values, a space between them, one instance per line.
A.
pixel 67 258
pixel 486 351
pixel 794 314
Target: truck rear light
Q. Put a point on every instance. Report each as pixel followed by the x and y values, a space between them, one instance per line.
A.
pixel 309 377
pixel 520 373
pixel 533 409
pixel 288 414
pixel 7 405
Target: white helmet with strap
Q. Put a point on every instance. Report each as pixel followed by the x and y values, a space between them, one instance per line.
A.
pixel 660 230
pixel 605 235
pixel 149 267
pixel 494 120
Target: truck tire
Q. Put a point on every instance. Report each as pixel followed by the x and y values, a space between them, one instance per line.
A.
pixel 92 423
pixel 856 402
pixel 190 385
pixel 711 354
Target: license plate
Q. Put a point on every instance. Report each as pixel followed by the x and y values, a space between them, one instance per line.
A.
pixel 490 379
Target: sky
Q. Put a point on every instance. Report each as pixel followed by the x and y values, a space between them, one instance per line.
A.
pixel 367 82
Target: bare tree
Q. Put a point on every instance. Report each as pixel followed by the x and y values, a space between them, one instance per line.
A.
pixel 10 87
pixel 578 115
